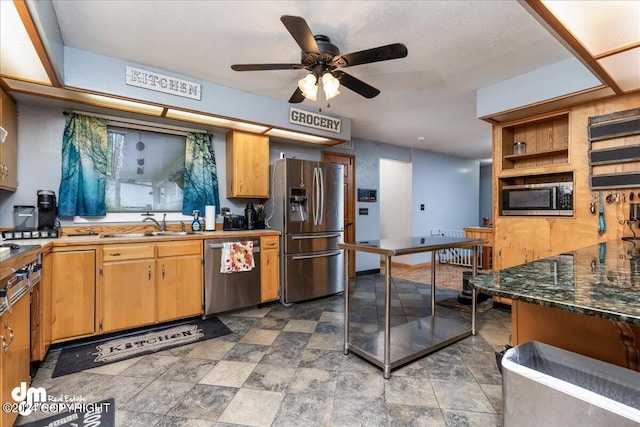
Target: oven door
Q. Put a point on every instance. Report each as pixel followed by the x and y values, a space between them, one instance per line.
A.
pixel 529 200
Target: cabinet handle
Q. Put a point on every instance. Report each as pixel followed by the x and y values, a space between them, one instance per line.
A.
pixel 163 271
pixel 115 254
pixel 149 271
pixel 7 327
pixel 5 346
pixel 268 259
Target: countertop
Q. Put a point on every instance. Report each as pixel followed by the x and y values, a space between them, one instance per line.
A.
pixel 97 239
pixel 29 249
pixel 601 280
pixel 410 245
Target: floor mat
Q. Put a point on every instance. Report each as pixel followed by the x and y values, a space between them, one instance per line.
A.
pixel 79 414
pixel 127 345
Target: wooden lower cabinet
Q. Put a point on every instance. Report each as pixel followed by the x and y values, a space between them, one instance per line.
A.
pixel 144 284
pixel 269 268
pixel 179 290
pixel 603 339
pixel 73 292
pixel 15 354
pixel 128 286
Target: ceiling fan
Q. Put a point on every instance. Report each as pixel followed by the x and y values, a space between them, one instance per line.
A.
pixel 324 60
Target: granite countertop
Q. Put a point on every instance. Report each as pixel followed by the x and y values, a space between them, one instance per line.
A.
pixel 601 280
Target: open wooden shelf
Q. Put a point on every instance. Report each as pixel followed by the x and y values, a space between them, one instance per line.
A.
pixel 538 154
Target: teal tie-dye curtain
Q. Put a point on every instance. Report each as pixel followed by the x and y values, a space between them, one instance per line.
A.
pixel 84 167
pixel 201 174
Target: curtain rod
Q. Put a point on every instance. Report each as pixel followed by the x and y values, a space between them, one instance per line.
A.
pixel 140 124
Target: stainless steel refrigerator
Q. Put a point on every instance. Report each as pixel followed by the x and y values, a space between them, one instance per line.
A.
pixel 306 205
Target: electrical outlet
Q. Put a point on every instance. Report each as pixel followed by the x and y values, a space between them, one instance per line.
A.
pixel 421 206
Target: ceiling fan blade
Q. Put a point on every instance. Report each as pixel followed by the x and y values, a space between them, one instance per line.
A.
pixel 301 33
pixel 355 84
pixel 262 67
pixel 376 54
pixel 296 97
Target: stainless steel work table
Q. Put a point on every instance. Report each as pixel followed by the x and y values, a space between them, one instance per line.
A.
pixel 403 343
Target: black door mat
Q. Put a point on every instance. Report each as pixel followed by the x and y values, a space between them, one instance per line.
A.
pixel 117 347
pixel 79 415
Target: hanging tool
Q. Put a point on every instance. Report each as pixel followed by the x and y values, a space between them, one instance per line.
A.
pixel 601 227
pixel 594 196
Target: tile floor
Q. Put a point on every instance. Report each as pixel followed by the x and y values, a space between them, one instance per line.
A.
pixel 285 367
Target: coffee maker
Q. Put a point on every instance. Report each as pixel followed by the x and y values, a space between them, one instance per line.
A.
pixel 46 210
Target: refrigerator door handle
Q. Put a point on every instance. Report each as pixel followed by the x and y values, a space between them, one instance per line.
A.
pixel 321 195
pixel 323 255
pixel 317 196
pixel 317 236
pixel 314 196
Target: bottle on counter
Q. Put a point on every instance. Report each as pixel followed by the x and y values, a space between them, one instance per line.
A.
pixel 195 225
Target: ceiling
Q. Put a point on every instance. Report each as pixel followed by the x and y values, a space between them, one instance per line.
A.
pixel 427 100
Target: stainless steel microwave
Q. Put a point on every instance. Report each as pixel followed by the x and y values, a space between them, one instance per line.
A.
pixel 548 199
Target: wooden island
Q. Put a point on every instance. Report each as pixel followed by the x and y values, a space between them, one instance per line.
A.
pixel 586 301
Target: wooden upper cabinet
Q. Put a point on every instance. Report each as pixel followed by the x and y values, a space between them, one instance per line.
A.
pixel 546 144
pixel 247 165
pixel 8 150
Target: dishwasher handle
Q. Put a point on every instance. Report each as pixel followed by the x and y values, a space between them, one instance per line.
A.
pixel 256 245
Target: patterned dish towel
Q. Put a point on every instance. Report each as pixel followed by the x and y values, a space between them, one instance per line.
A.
pixel 237 256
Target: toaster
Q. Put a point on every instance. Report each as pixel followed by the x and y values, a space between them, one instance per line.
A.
pixel 233 222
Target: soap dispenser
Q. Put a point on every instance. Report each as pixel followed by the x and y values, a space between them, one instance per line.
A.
pixel 195 225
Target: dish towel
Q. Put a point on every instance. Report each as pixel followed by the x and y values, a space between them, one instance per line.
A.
pixel 237 256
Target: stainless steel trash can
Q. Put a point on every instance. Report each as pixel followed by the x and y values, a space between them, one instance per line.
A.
pixel 547 386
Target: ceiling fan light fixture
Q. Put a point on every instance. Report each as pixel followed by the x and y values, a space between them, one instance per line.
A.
pixel 330 86
pixel 308 86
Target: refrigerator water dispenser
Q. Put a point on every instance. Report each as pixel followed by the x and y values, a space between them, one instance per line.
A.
pixel 298 204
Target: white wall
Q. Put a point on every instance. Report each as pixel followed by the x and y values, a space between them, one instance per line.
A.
pixel 395 199
pixel 447 185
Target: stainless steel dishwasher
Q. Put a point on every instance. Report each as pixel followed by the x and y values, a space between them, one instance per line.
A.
pixel 229 291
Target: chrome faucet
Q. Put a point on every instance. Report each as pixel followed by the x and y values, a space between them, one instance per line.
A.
pixel 162 226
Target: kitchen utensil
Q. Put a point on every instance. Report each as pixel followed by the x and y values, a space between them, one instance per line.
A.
pixel 601 226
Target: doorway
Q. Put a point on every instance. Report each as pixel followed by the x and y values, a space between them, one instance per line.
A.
pixel 396 189
pixel 349 163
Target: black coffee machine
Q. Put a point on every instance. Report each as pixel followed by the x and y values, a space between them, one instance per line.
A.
pixel 47 210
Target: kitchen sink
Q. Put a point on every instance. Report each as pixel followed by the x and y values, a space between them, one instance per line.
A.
pixel 125 235
pixel 170 233
pixel 149 234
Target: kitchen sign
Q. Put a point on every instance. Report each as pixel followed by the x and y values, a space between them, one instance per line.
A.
pixel 314 120
pixel 161 83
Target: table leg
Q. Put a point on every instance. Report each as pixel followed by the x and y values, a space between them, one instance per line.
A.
pixel 433 283
pixel 387 318
pixel 474 292
pixel 346 302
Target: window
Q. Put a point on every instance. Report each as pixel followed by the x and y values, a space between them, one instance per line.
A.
pixel 145 171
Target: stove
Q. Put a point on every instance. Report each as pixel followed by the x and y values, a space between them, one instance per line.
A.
pixel 19 271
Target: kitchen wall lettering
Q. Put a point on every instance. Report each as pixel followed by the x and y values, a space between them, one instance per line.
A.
pixel 314 120
pixel 161 83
